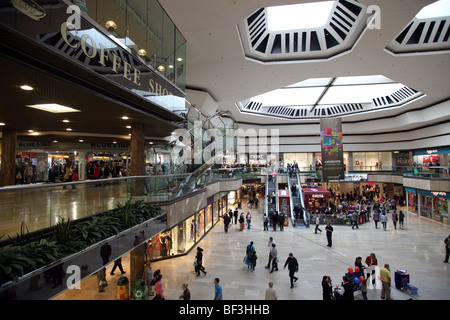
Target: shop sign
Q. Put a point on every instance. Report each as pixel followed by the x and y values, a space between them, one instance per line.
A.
pixel 317 195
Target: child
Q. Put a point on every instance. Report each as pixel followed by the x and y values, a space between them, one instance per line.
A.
pixel 253 258
pixel 363 286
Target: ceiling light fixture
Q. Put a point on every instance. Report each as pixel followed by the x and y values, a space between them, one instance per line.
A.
pixel 142 52
pixel 30 131
pixel 161 68
pixel 125 118
pixel 128 127
pixel 26 87
pixel 66 121
pixel 69 129
pixel 2 124
pixel 110 24
pixel 52 107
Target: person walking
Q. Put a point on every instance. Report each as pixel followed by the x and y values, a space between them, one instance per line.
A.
pixel 253 259
pixel 394 218
pixel 281 221
pixel 355 220
pixel 159 295
pixel 266 222
pixel 376 217
pixel 271 294
pixel 236 213
pixel 327 288
pixel 275 220
pixel 401 219
pixel 249 220
pixel 248 254
pixel 230 214
pixel 117 264
pixel 329 230
pixel 269 245
pixel 317 224
pixel 292 264
pixel 241 222
pixel 226 222
pixel 101 280
pixel 384 220
pixel 385 277
pixel 217 290
pixel 274 257
pixel 447 248
pixel 199 260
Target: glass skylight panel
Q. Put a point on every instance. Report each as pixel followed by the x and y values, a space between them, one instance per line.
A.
pixel 358 93
pixel 299 16
pixel 315 82
pixel 437 9
pixel 290 97
pixel 362 80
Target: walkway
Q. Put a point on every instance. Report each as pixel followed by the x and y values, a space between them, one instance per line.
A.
pixel 418 248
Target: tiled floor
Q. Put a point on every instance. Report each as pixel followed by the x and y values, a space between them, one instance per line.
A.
pixel 418 248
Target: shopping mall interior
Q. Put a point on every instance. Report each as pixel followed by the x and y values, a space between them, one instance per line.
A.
pixel 130 129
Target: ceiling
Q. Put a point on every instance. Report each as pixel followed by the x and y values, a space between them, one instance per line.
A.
pixel 216 63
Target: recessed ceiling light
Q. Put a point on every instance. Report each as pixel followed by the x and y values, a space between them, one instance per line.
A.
pixel 2 124
pixel 114 141
pixel 66 121
pixel 55 141
pixel 179 59
pixel 80 140
pixel 30 131
pixel 129 134
pixel 69 129
pixel 125 118
pixel 52 107
pixel 170 66
pixel 26 87
pixel 128 127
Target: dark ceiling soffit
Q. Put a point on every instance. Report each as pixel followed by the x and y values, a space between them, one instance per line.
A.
pixel 114 92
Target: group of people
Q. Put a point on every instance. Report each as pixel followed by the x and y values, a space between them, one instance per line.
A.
pixel 228 220
pixel 347 288
pixel 274 219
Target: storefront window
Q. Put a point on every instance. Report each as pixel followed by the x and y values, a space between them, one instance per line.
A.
pixel 412 202
pixel 426 203
pixel 440 210
pixel 200 223
pixel 208 218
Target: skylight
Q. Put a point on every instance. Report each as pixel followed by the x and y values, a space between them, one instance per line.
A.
pixel 299 16
pixel 437 9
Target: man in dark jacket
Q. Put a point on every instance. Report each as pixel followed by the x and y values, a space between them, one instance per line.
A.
pixel 292 264
pixel 105 252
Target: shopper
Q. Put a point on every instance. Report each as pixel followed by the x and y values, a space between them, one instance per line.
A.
pixel 345 292
pixel 275 220
pixel 236 213
pixel 401 218
pixel 394 218
pixel 327 288
pixel 370 262
pixel 363 287
pixel 447 248
pixel 354 220
pixel 199 262
pixel 248 218
pixel 329 230
pixel 266 222
pixel 248 254
pixel 269 245
pixel 28 173
pixel 117 264
pixel 274 257
pixel 186 293
pixel 358 263
pixel 226 222
pixel 230 214
pixel 105 252
pixel 385 275
pixel 217 290
pixel 253 259
pixel 271 294
pixel 292 264
pixel 241 222
pixel 281 221
pixel 159 295
pixel 384 220
pixel 101 280
pixel 148 277
pixel 376 217
pixel 317 224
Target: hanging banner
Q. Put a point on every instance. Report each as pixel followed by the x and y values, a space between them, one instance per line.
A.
pixel 332 149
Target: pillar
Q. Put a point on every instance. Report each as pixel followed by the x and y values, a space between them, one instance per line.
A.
pixel 8 164
pixel 137 165
pixel 137 261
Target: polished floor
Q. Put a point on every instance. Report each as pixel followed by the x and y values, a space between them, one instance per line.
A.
pixel 418 248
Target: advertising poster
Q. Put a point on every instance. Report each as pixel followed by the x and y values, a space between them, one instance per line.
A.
pixel 332 149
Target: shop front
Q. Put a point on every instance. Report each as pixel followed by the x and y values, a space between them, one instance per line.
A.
pixel 316 198
pixel 428 204
pixel 436 160
pixel 184 236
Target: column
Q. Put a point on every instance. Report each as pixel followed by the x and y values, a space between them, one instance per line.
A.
pixel 8 165
pixel 137 165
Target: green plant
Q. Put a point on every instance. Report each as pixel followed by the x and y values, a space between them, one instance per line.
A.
pixel 63 230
